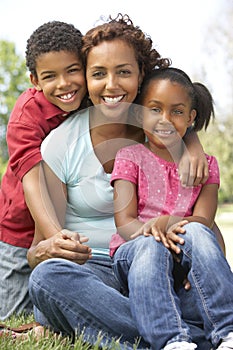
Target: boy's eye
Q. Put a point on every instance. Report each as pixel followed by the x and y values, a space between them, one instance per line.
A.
pixel 48 76
pixel 74 70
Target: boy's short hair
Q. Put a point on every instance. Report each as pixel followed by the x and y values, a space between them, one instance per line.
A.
pixel 52 36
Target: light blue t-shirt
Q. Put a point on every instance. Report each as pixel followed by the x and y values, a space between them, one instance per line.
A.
pixel 69 153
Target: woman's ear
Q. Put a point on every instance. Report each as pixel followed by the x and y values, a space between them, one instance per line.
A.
pixel 192 117
pixel 34 81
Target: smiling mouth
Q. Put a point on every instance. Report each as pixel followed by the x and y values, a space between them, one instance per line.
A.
pixel 68 96
pixel 164 132
pixel 113 100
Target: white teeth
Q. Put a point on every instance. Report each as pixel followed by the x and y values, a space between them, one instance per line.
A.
pixel 113 99
pixel 164 132
pixel 67 96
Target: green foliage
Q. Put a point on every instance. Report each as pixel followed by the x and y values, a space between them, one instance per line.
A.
pixel 51 342
pixel 13 81
pixel 218 141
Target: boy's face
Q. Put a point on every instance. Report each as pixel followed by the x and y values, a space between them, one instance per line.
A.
pixel 60 75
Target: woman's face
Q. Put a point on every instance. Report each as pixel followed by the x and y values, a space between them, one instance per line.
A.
pixel 113 76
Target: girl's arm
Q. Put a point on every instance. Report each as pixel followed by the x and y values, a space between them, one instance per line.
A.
pixel 125 208
pixel 193 167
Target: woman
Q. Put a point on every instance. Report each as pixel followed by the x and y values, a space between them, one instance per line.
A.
pixel 79 158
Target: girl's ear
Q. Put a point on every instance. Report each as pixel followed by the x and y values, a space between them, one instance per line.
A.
pixel 34 81
pixel 192 117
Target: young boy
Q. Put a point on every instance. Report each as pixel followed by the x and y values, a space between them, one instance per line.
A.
pixel 53 57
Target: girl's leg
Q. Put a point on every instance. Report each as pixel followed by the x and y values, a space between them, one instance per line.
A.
pixel 145 266
pixel 211 279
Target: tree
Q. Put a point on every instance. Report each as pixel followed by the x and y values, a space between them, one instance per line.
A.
pixel 13 81
pixel 218 141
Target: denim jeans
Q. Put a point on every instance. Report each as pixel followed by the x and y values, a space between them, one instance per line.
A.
pixel 14 276
pixel 72 298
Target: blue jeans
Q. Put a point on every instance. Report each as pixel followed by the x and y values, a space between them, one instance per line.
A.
pixel 14 272
pixel 71 298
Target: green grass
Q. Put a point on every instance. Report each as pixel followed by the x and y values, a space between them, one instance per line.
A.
pixel 49 342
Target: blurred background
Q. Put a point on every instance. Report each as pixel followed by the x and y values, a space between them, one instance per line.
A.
pixel 196 34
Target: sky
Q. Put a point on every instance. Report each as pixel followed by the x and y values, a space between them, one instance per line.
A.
pixel 175 26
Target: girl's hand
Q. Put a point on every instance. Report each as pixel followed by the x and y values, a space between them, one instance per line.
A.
pixel 172 236
pixel 156 227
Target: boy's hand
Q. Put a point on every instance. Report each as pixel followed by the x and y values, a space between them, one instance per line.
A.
pixel 193 169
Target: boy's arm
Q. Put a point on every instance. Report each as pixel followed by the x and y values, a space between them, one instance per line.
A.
pixel 193 167
pixel 39 202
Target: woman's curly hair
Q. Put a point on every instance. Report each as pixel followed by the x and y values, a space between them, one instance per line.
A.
pixel 123 28
pixel 52 36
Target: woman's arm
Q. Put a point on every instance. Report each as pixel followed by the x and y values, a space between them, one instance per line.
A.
pixel 59 242
pixel 193 167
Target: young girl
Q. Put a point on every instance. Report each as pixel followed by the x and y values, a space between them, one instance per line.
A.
pixel 150 201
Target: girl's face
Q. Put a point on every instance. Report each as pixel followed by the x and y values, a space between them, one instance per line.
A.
pixel 60 75
pixel 113 76
pixel 168 113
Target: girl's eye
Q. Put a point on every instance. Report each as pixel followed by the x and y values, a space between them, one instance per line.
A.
pixel 156 110
pixel 178 112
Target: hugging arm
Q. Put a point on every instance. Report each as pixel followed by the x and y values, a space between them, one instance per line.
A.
pixel 193 166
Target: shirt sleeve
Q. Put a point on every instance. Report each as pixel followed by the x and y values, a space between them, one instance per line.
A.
pixel 125 167
pixel 24 140
pixel 214 173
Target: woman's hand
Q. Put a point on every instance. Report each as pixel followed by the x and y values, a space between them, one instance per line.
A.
pixel 64 244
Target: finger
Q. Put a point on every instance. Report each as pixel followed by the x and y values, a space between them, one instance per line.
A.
pixel 171 236
pixel 173 247
pixel 202 176
pixel 163 239
pixel 187 284
pixel 192 175
pixel 136 234
pixel 184 172
pixel 84 239
pixel 66 234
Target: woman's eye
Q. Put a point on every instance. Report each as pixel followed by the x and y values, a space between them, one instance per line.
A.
pixel 124 72
pixel 98 74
